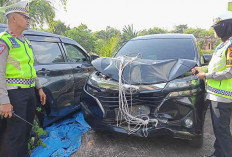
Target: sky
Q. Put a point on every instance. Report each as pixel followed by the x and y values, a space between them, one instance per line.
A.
pixel 143 14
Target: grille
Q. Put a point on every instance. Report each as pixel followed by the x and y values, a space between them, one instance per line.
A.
pixel 109 101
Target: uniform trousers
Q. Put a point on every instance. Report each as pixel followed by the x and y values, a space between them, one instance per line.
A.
pixel 14 132
pixel 221 117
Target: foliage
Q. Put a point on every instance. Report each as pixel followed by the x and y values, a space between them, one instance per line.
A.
pixel 41 12
pixel 200 44
pixel 207 51
pixel 107 34
pixel 198 32
pixel 155 30
pixel 107 48
pixel 83 36
pixel 128 33
pixel 180 28
pixel 36 140
pixel 59 28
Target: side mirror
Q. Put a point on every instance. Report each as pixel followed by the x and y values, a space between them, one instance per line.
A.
pixel 207 58
pixel 94 56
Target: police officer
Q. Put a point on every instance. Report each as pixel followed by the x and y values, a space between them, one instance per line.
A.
pixel 219 86
pixel 17 82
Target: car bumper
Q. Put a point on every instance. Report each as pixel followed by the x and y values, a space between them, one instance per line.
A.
pixel 97 115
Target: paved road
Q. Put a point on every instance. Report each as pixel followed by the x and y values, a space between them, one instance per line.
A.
pixel 100 145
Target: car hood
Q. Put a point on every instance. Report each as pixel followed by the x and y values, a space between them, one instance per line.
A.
pixel 143 71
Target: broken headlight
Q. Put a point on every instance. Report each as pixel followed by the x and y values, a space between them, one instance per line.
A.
pixel 183 87
pixel 187 82
pixel 99 80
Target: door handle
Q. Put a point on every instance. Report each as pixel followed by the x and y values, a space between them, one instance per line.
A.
pixel 43 71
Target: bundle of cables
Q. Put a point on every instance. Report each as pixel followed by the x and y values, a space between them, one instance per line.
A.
pixel 135 122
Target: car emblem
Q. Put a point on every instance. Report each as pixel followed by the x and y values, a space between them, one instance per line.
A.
pixel 130 89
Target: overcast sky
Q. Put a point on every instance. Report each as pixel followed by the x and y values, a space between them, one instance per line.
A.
pixel 143 14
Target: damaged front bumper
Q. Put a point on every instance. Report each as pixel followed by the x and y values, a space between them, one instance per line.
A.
pixel 178 117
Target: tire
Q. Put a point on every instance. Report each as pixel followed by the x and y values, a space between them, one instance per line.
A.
pixel 196 142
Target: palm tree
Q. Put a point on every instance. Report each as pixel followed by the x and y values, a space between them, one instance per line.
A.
pixel 129 33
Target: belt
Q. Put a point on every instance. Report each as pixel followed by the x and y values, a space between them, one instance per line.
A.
pixel 15 87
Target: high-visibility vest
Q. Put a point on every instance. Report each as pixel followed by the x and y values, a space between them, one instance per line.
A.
pixel 20 63
pixel 221 88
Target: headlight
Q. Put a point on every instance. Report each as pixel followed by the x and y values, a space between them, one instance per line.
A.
pixel 183 93
pixel 188 82
pixel 183 87
pixel 101 81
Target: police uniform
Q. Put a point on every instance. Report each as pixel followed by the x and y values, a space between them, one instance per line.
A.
pixel 219 88
pixel 17 87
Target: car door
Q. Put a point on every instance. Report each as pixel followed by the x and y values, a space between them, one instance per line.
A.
pixel 55 75
pixel 80 61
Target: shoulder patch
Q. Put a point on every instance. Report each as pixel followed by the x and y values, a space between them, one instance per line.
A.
pixel 229 53
pixel 2 48
pixel 229 57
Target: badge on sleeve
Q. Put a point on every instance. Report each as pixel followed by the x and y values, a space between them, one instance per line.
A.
pixel 2 48
pixel 229 53
pixel 229 57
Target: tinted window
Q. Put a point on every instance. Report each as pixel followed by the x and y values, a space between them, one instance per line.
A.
pixel 45 52
pixel 74 54
pixel 159 49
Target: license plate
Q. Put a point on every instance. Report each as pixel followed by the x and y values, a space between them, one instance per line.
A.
pixel 136 111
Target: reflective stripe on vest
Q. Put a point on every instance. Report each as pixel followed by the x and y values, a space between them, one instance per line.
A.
pixel 221 88
pixel 20 62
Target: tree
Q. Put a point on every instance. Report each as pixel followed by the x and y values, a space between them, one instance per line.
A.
pixel 107 48
pixel 83 36
pixel 180 28
pixel 155 30
pixel 128 33
pixel 108 33
pixel 41 12
pixel 59 28
pixel 199 32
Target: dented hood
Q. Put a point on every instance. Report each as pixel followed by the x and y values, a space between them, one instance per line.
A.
pixel 143 71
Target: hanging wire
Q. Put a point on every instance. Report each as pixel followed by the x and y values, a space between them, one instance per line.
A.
pixel 134 122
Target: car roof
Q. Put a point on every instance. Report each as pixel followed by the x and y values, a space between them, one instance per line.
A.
pixel 46 34
pixel 35 32
pixel 165 36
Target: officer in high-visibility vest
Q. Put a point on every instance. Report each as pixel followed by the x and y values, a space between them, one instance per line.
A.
pixel 219 86
pixel 18 82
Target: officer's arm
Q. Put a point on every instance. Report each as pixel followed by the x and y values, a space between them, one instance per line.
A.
pixel 4 99
pixel 5 107
pixel 222 75
pixel 37 84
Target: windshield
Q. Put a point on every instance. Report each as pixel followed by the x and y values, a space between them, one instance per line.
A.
pixel 159 49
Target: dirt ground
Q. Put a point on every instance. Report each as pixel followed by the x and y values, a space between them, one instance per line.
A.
pixel 101 145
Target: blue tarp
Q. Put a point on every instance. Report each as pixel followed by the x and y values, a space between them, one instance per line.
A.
pixel 64 138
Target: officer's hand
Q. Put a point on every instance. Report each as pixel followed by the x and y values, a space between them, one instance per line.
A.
pixel 196 70
pixel 42 96
pixel 6 110
pixel 201 75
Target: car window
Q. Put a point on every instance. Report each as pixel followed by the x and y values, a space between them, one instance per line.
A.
pixel 159 49
pixel 46 52
pixel 74 54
